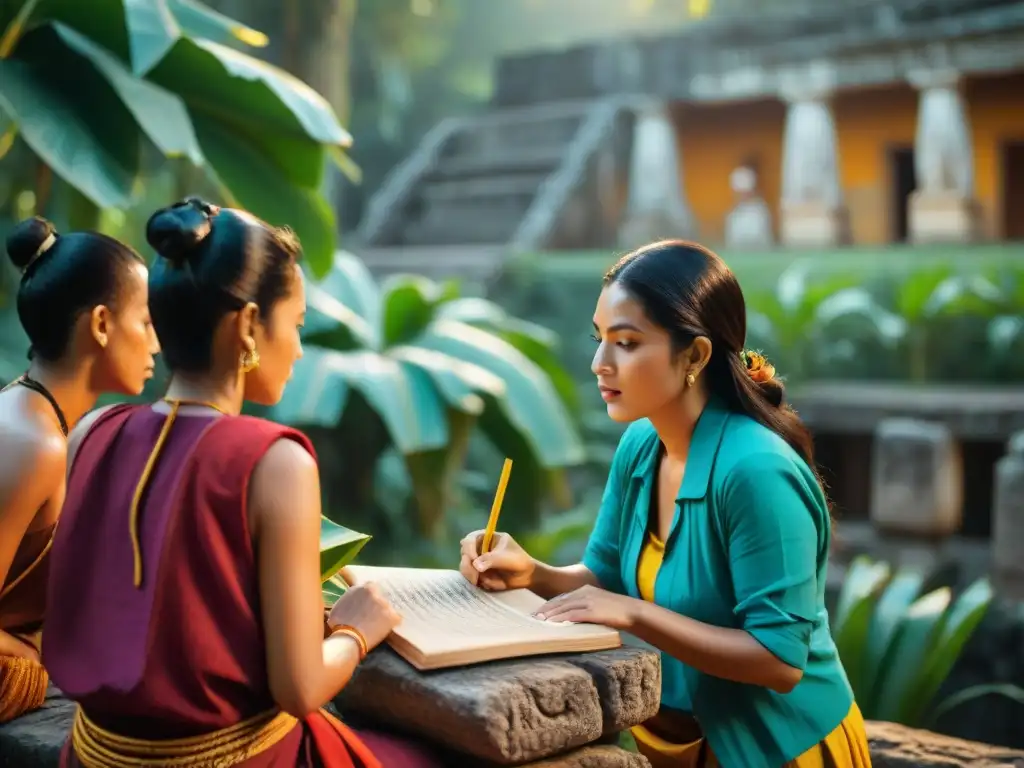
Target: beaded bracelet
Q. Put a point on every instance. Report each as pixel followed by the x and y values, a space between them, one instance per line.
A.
pixel 355 634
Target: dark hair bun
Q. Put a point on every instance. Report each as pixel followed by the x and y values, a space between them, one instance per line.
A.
pixel 26 240
pixel 175 232
pixel 773 391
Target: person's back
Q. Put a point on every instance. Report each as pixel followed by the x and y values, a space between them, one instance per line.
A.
pixel 180 653
pixel 82 302
pixel 185 601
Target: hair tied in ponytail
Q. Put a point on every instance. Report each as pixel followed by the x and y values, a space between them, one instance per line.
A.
pixel 758 367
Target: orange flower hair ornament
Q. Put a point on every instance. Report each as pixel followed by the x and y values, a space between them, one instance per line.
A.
pixel 758 368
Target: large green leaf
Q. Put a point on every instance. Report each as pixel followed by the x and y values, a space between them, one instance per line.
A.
pixel 403 395
pixel 198 20
pixel 407 304
pixel 916 290
pixel 461 384
pixel 886 620
pixel 86 144
pixel 862 585
pixel 338 547
pixel 286 119
pixel 919 629
pixel 530 402
pixel 332 325
pixel 161 115
pixel 350 282
pixel 958 626
pixel 967 294
pixel 138 32
pixel 258 185
pixel 539 344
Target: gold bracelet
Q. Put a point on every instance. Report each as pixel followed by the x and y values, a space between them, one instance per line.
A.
pixel 355 634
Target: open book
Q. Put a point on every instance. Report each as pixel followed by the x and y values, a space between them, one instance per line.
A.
pixel 447 622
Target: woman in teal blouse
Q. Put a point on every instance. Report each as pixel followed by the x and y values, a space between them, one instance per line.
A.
pixel 712 539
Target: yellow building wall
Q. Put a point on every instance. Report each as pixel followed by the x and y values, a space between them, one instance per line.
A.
pixel 869 123
pixel 713 141
pixel 996 108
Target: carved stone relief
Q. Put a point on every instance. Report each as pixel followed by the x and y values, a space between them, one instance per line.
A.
pixel 917 478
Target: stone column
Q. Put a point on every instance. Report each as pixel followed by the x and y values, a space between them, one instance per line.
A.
pixel 1008 517
pixel 942 208
pixel 656 206
pixel 812 211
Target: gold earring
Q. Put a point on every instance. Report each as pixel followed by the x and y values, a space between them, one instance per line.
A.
pixel 690 379
pixel 249 361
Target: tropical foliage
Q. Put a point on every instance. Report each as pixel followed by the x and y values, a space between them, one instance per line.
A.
pixel 90 90
pixel 915 329
pixel 896 314
pixel 899 635
pixel 408 369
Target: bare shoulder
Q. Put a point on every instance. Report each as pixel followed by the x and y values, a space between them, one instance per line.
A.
pixel 32 463
pixel 284 475
pixel 27 448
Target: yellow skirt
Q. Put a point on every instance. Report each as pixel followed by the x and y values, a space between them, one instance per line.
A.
pixel 845 747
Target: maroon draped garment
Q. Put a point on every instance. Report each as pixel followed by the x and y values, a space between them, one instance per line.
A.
pixel 184 654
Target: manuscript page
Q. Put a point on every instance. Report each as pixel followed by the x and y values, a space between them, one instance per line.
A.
pixel 446 621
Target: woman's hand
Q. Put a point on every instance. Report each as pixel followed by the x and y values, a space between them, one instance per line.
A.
pixel 592 605
pixel 506 566
pixel 365 608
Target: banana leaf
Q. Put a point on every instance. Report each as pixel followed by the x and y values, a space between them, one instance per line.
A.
pixel 338 547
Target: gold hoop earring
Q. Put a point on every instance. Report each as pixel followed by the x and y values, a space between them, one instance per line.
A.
pixel 249 361
pixel 690 379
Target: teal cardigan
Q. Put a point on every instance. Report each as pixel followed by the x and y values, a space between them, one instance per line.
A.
pixel 748 548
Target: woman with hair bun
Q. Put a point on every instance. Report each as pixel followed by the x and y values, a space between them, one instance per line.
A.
pixel 83 302
pixel 712 540
pixel 186 614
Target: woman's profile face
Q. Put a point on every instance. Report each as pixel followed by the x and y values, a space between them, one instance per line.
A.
pixel 636 370
pixel 278 343
pixel 126 362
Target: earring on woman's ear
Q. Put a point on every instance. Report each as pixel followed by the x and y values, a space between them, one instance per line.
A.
pixel 690 379
pixel 249 361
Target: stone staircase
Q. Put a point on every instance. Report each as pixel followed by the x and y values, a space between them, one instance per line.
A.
pixel 522 179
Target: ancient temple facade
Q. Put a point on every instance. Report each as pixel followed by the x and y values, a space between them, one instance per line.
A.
pixel 857 122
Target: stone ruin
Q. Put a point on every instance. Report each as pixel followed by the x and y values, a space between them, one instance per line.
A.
pixel 562 711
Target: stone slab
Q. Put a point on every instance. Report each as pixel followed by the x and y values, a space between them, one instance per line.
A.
pixel 37 738
pixel 897 746
pixel 598 756
pixel 508 712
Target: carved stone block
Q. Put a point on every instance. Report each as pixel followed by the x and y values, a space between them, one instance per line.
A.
pixel 917 478
pixel 1008 513
pixel 935 217
pixel 813 225
pixel 509 712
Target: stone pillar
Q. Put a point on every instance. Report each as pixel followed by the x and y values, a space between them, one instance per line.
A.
pixel 942 208
pixel 916 479
pixel 656 206
pixel 812 211
pixel 1008 515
